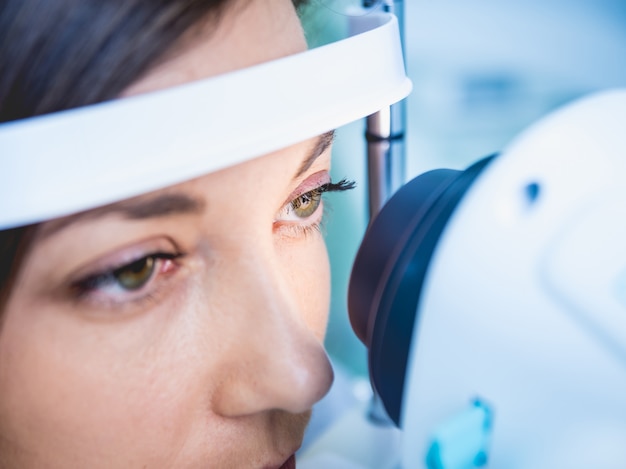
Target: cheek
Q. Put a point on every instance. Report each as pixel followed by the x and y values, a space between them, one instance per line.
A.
pixel 308 273
pixel 111 385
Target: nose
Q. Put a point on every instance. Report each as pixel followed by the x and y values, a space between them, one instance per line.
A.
pixel 278 360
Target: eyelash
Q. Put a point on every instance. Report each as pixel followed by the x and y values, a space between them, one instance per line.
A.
pixel 299 229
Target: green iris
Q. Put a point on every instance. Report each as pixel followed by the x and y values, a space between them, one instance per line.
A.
pixel 135 275
pixel 306 205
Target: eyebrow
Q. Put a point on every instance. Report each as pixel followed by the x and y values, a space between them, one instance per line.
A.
pixel 166 204
pixel 321 145
pixel 141 208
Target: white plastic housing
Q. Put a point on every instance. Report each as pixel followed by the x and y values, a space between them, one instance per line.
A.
pixel 525 302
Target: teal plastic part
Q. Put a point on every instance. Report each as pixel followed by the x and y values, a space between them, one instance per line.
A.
pixel 462 441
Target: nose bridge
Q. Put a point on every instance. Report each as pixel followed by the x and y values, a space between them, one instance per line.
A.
pixel 280 362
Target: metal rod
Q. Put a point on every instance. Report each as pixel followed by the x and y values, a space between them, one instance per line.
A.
pixel 386 160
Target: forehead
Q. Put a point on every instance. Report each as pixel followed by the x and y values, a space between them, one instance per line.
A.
pixel 248 32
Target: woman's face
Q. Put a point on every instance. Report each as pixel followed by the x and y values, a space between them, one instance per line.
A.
pixel 181 328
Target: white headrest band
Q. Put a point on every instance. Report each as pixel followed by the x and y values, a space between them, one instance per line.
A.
pixel 74 160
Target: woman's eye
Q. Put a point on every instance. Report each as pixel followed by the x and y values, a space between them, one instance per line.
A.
pixel 305 205
pixel 127 282
pixel 302 208
pixel 304 213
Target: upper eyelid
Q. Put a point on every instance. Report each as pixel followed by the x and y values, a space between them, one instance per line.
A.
pixel 114 269
pixel 342 185
pixel 123 256
pixel 313 182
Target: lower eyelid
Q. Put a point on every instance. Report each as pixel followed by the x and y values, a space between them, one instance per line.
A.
pixel 295 231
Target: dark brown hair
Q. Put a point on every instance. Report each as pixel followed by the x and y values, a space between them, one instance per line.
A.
pixel 62 54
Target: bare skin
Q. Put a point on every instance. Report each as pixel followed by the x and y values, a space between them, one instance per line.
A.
pixel 189 337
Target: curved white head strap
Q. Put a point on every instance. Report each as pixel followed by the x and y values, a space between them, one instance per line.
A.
pixel 74 160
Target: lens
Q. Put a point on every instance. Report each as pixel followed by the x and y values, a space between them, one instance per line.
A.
pixel 389 271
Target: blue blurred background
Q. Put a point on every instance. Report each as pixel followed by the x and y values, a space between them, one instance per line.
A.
pixel 482 70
